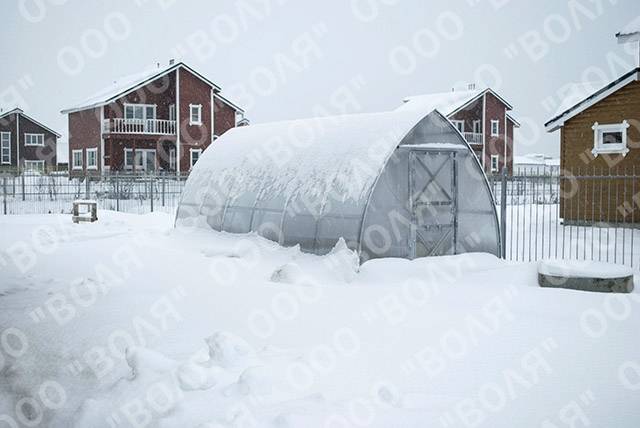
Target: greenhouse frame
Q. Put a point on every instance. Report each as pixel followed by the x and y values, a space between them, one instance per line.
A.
pixel 393 184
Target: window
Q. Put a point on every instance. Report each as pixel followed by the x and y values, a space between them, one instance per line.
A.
pixel 172 112
pixel 477 127
pixel 144 159
pixel 494 163
pixel 172 159
pixel 459 124
pixel 76 159
pixel 5 147
pixel 34 165
pixel 92 158
pixel 195 114
pixel 495 128
pixel 34 139
pixel 134 112
pixel 610 138
pixel 195 155
pixel 128 158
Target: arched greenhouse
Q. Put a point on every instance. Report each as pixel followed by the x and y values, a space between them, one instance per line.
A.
pixel 394 184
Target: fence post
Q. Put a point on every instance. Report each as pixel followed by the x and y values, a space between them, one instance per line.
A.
pixel 503 214
pixel 151 183
pixel 4 194
pixel 163 190
pixel 22 184
pixel 117 192
pixel 87 192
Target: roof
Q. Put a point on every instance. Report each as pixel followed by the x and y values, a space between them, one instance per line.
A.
pixel 447 103
pixel 128 84
pixel 515 122
pixel 536 159
pixel 231 103
pixel 22 113
pixel 586 100
pixel 319 151
pixel 630 33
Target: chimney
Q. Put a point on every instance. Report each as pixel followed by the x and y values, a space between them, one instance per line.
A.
pixel 172 61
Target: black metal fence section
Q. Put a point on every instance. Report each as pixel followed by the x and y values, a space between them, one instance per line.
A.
pixel 54 192
pixel 591 216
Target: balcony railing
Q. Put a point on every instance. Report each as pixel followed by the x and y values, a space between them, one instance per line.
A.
pixel 139 126
pixel 473 137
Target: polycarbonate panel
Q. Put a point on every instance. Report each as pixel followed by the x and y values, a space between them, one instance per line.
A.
pixel 349 178
pixel 396 222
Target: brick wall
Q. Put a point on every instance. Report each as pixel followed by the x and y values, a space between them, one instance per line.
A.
pixel 84 133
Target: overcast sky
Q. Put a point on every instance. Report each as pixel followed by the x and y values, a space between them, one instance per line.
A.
pixel 289 59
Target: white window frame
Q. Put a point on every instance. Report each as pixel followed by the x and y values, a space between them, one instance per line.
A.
pixel 144 111
pixel 459 124
pixel 3 148
pixel 598 133
pixel 73 159
pixel 40 164
pixel 172 159
pixel 198 110
pixel 172 112
pixel 191 152
pixel 495 158
pixel 478 129
pixel 89 165
pixel 28 136
pixel 144 153
pixel 127 165
pixel 495 128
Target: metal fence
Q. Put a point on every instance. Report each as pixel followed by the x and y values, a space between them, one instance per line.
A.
pixel 587 217
pixel 54 192
pixel 591 216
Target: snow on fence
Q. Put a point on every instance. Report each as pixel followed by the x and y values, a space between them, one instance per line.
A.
pixel 54 192
pixel 592 216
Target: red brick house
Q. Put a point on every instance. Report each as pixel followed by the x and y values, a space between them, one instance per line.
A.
pixel 159 120
pixel 26 143
pixel 482 116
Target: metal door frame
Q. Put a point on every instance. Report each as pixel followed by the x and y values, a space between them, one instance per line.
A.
pixel 451 157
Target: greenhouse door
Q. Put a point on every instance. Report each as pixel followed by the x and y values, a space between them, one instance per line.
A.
pixel 433 199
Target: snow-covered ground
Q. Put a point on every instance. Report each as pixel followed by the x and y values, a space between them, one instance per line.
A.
pixel 128 322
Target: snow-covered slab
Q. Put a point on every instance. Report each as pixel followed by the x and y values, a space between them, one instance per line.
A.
pixel 585 276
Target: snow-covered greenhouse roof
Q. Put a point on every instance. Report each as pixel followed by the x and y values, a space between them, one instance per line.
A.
pixel 313 181
pixel 309 155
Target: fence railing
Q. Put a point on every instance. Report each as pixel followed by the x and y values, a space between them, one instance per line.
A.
pixel 54 193
pixel 592 216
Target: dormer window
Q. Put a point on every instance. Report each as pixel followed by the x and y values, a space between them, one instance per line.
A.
pixel 610 138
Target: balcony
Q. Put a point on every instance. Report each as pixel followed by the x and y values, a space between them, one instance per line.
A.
pixel 473 138
pixel 139 126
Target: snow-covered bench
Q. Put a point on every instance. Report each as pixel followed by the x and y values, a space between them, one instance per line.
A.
pixel 585 276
